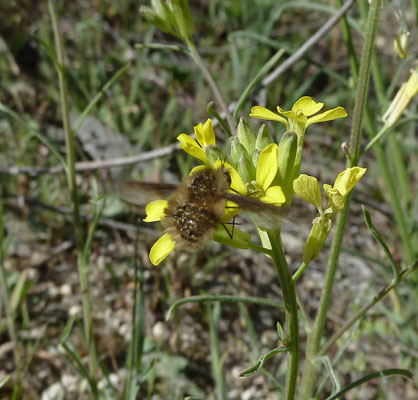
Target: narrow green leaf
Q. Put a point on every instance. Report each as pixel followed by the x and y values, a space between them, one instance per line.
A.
pixel 381 241
pixel 223 298
pixel 280 331
pixel 254 368
pixel 213 314
pixel 378 374
pixel 336 386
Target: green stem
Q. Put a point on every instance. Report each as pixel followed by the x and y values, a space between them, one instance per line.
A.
pixel 218 95
pixel 299 272
pixel 71 176
pixel 363 80
pixel 382 161
pixel 292 322
pixel 314 337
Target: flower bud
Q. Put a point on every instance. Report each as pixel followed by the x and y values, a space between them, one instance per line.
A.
pixel 255 156
pixel 263 138
pixel 400 44
pixel 246 136
pixel 319 232
pixel 172 16
pixel 246 168
pixel 236 149
pixel 287 155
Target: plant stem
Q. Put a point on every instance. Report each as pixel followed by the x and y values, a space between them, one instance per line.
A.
pixel 314 337
pixel 218 95
pixel 292 322
pixel 71 176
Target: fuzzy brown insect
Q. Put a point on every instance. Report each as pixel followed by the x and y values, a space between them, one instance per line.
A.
pixel 197 205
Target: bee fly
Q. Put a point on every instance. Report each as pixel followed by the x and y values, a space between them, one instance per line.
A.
pixel 197 205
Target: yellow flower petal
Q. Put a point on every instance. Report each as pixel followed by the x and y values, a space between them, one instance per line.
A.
pixel 190 146
pixel 231 210
pixel 274 195
pixel 161 248
pixel 155 210
pixel 267 166
pixel 307 105
pixel 205 134
pixel 307 188
pixel 335 198
pixel 330 115
pixel 347 179
pixel 263 113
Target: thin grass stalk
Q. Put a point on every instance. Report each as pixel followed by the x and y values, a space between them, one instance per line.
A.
pixel 213 314
pixel 71 177
pixel 314 337
pixel 292 321
pixel 217 93
pixel 10 317
pixel 382 161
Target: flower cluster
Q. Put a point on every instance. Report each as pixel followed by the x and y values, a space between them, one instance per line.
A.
pixel 266 171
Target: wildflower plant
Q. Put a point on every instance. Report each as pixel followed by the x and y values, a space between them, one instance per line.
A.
pixel 259 168
pixel 257 175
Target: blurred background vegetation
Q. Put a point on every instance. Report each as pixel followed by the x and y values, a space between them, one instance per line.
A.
pixel 162 94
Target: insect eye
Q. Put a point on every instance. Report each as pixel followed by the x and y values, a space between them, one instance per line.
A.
pixel 228 177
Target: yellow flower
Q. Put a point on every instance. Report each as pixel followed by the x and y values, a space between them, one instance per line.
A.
pixel 300 116
pixel 343 185
pixel 205 136
pixel 307 188
pixel 266 171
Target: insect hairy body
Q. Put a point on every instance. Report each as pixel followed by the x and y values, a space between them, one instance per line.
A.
pixel 196 208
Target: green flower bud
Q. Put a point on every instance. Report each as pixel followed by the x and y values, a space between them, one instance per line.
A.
pixel 172 16
pixel 263 138
pixel 287 155
pixel 246 136
pixel 400 44
pixel 255 157
pixel 236 149
pixel 213 154
pixel 184 18
pixel 246 169
pixel 320 230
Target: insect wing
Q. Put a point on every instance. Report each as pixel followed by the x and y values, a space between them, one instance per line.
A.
pixel 266 216
pixel 141 193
